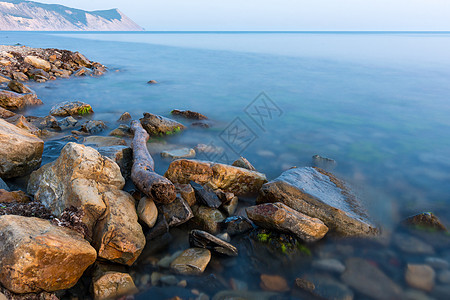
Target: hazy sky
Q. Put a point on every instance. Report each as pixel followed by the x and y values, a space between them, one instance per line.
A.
pixel 278 14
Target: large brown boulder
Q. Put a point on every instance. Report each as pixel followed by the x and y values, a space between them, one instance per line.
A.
pixel 14 101
pixel 20 153
pixel 321 195
pixel 37 256
pixel 216 176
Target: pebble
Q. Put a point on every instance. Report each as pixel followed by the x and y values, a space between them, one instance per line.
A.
pixel 412 245
pixel 420 276
pixel 168 259
pixel 192 261
pixel 155 278
pixel 168 280
pixel 238 285
pixel 273 283
pixel 329 265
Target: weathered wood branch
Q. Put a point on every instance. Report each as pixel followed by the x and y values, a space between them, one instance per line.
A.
pixel 159 188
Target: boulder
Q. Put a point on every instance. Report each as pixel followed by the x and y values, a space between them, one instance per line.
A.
pixel 125 117
pixel 188 114
pixel 159 126
pixel 38 75
pixel 83 72
pixel 37 256
pixel 192 261
pixel 79 177
pixel 118 236
pixel 278 216
pixel 38 62
pixel 321 195
pixel 112 285
pixel 68 122
pixel 19 87
pixel 93 126
pixel 15 101
pixel 217 176
pixel 426 220
pixel 202 239
pixel 75 108
pixel 20 153
pixel 147 211
pixel 122 131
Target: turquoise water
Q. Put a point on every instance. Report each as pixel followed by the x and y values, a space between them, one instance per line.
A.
pixel 377 103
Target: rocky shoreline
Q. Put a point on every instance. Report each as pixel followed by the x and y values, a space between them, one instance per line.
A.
pixel 77 228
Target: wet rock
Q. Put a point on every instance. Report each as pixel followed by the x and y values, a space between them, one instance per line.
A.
pixel 4 186
pixel 202 239
pixel 367 279
pixel 205 197
pixel 216 176
pixel 273 283
pixel 229 202
pixel 280 217
pixel 122 131
pixel 187 193
pixel 329 265
pixel 208 218
pixel 237 225
pixel 168 259
pixel 13 197
pixel 74 108
pixel 324 287
pixel 444 277
pixel 420 276
pixel 4 113
pixel 152 82
pixel 188 114
pixel 192 261
pixel 15 101
pixel 147 211
pixel 179 153
pixel 243 163
pixel 122 155
pixel 54 258
pixel 160 228
pixel 38 75
pixel 47 122
pixel 20 153
pixel 68 122
pixel 81 60
pixel 93 127
pixel 79 177
pixel 202 124
pixel 103 141
pixel 21 122
pixel 61 73
pixel 427 221
pixel 38 63
pixel 412 245
pixel 323 162
pixel 169 280
pixel 160 126
pixel 82 72
pixel 125 117
pixel 19 87
pixel 112 285
pixel 19 76
pixel 177 212
pixel 319 194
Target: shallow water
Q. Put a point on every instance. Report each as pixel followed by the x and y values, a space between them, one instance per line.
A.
pixel 378 104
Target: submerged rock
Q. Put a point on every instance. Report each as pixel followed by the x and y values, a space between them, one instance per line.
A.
pixel 367 279
pixel 202 239
pixel 122 155
pixel 125 117
pixel 188 114
pixel 242 162
pixel 324 287
pixel 323 162
pixel 192 261
pixel 208 218
pixel 103 141
pixel 37 256
pixel 122 131
pixel 216 176
pixel 273 283
pixel 112 285
pixel 319 194
pixel 179 153
pixel 20 153
pixel 280 217
pixel 160 126
pixel 15 101
pixel 410 244
pixel 426 221
pixel 236 225
pixel 75 108
pixel 420 276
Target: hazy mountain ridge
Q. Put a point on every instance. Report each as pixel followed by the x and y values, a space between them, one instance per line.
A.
pixel 28 15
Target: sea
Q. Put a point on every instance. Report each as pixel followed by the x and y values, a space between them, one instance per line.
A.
pixel 377 103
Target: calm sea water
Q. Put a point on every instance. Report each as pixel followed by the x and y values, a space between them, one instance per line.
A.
pixel 377 103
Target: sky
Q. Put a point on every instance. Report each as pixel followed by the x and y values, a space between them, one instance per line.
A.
pixel 156 15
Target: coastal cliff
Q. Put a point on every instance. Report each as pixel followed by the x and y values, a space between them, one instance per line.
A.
pixel 28 15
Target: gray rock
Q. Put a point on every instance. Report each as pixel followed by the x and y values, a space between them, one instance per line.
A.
pixel 103 141
pixel 202 239
pixel 328 288
pixel 329 265
pixel 369 280
pixel 168 280
pixel 237 225
pixel 412 245
pixel 122 155
pixel 48 122
pixel 437 263
pixel 4 186
pixel 176 213
pixel 229 202
pixel 68 122
pixel 205 197
pixel 160 126
pixel 281 217
pixel 93 127
pixel 179 153
pixel 444 276
pixel 321 195
pixel 323 162
pixel 441 292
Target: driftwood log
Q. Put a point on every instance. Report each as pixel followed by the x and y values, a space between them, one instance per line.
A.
pixel 155 186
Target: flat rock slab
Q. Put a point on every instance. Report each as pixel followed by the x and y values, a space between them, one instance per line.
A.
pixel 20 153
pixel 205 197
pixel 37 256
pixel 321 195
pixel 192 261
pixel 179 153
pixel 202 239
pixel 160 126
pixel 281 217
pixel 217 176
